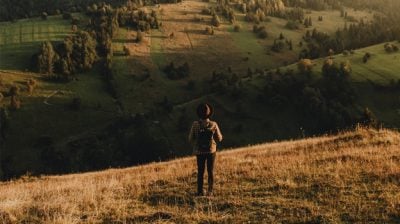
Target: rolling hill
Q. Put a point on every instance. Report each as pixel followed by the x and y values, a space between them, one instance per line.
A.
pixel 48 126
pixel 352 177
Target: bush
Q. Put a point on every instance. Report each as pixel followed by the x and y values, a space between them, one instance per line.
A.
pixel 237 28
pixel 292 25
pixel 260 31
pixel 215 21
pixel 305 65
pixel 206 11
pixel 263 34
pixel 126 51
pixel 139 36
pixel 31 84
pixel 209 30
pixel 366 57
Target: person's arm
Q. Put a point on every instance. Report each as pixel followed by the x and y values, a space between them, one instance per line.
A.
pixel 218 134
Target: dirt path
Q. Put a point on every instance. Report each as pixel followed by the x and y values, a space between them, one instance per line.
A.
pixel 46 100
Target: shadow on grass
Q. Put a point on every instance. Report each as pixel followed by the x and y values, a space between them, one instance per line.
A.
pixel 195 32
pixel 169 193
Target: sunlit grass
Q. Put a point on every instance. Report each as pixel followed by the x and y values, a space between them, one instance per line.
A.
pixel 352 177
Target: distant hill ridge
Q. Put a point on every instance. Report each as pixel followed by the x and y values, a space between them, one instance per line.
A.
pixel 350 177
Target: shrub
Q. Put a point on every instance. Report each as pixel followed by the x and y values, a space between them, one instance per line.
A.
pixel 292 25
pixel 305 65
pixel 31 84
pixel 263 34
pixel 209 30
pixel 139 36
pixel 126 51
pixel 237 28
pixel 215 21
pixel 206 11
pixel 366 57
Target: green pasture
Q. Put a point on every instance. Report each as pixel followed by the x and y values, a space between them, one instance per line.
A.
pixel 21 39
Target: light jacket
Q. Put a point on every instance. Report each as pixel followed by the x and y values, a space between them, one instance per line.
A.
pixel 194 132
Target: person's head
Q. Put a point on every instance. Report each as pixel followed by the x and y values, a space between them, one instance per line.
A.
pixel 204 111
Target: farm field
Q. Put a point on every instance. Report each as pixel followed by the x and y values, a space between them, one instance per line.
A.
pixel 21 39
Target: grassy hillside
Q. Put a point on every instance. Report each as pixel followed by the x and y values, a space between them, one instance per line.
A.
pixel 142 86
pixel 369 78
pixel 352 177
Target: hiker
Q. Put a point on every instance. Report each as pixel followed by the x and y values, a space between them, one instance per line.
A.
pixel 203 136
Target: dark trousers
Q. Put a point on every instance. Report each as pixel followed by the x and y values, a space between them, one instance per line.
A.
pixel 202 160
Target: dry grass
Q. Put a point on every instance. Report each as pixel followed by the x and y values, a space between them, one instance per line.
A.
pixel 351 177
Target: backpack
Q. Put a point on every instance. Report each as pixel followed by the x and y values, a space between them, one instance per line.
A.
pixel 205 138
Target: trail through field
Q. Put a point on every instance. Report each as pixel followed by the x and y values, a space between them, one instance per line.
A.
pixel 46 100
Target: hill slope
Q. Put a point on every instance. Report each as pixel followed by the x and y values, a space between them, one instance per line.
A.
pixel 351 177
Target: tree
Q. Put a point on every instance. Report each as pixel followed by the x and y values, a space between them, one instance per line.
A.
pixel 31 84
pixel 46 58
pixel 84 50
pixel 139 36
pixel 305 66
pixel 345 69
pixel 215 21
pixel 366 57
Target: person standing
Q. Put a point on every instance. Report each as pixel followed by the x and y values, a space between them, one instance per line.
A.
pixel 204 135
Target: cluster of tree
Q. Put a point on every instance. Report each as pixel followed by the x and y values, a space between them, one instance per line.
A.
pixel 74 54
pixel 137 19
pixel 268 7
pixel 314 4
pixel 295 14
pixel 16 9
pixel 215 21
pixel 226 83
pixel 130 140
pixel 179 72
pixel 389 47
pixel 381 28
pixel 256 17
pixel 278 45
pixel 226 11
pixel 307 22
pixel 326 104
pixel 103 26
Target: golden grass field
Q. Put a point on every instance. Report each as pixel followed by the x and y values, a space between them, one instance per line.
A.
pixel 353 177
